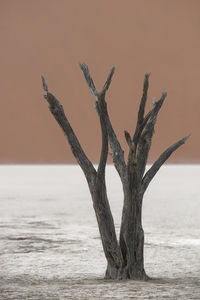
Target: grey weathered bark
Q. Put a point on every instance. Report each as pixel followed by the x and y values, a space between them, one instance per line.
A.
pixel 125 259
pixel 133 179
pixel 95 179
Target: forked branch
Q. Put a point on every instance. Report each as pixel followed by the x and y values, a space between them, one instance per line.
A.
pixel 117 152
pixel 145 139
pixel 100 105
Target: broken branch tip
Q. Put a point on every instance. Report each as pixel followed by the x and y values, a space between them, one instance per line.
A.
pixel 44 85
pixel 164 93
pixel 187 137
pixel 147 74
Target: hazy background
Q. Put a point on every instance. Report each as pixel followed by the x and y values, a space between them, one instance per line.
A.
pixel 49 37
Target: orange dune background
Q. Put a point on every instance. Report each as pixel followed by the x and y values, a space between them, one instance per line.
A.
pixel 49 37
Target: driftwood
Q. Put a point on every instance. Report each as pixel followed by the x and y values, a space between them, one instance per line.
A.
pixel 125 259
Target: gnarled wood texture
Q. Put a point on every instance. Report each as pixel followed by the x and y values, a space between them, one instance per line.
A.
pixel 125 259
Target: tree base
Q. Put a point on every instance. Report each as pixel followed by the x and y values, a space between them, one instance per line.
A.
pixel 123 274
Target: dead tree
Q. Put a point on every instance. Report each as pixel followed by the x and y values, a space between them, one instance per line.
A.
pixel 125 259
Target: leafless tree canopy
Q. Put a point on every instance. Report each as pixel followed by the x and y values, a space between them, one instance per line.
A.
pixel 125 259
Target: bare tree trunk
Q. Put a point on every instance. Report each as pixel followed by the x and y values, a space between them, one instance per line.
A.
pixel 132 176
pixel 107 231
pixel 131 233
pixel 125 259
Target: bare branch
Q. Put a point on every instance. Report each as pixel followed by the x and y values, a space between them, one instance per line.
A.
pixel 146 136
pixel 117 152
pixel 141 108
pixel 138 134
pixel 132 151
pixel 146 119
pixel 59 114
pixel 101 105
pixel 160 161
pixel 89 80
pixel 144 98
pixel 128 138
pixel 152 116
pixel 44 85
pixel 108 81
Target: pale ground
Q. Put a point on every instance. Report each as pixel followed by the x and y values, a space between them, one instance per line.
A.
pixel 50 246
